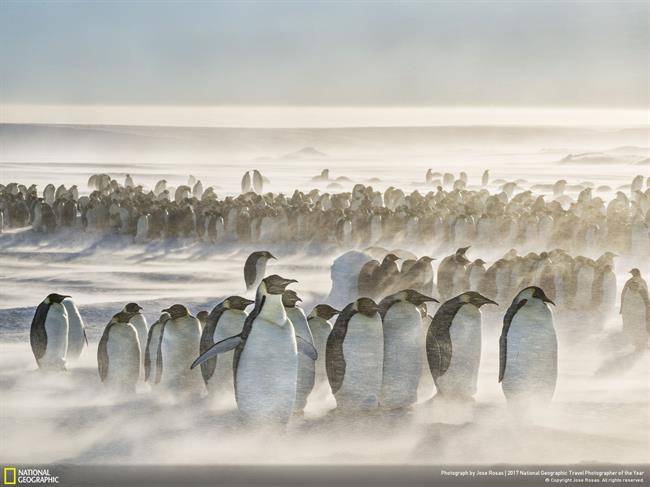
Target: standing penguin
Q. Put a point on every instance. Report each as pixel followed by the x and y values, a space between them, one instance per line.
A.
pixel 635 310
pixel 224 321
pixel 255 268
pixel 49 333
pixel 403 342
pixel 179 342
pixel 306 365
pixel 454 345
pixel 452 272
pixel 528 349
pixel 355 356
pixel 139 322
pixel 151 350
pixel 265 365
pixel 118 354
pixel 321 327
pixel 77 338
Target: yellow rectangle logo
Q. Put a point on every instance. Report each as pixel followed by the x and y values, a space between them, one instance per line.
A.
pixel 9 475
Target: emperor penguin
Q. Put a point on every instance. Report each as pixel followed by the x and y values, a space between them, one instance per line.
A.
pixel 403 342
pixel 475 274
pixel 454 345
pixel 528 350
pixel 306 365
pixel 255 268
pixel 246 183
pixel 77 338
pixel 321 327
pixel 485 179
pixel 179 343
pixel 355 356
pixel 635 310
pixel 224 321
pixel 49 333
pixel 139 322
pixel 118 354
pixel 452 272
pixel 265 364
pixel 151 350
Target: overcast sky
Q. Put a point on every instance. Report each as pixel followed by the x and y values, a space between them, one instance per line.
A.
pixel 506 53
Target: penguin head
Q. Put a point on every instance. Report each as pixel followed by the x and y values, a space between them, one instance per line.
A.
pixel 366 306
pixel 202 316
pixel 55 298
pixel 391 258
pixel 164 317
pixel 324 311
pixel 237 302
pixel 122 317
pixel 426 259
pixel 635 272
pixel 462 250
pixel 479 262
pixel 264 254
pixel 533 292
pixel 476 299
pixel 416 298
pixel 290 298
pixel 177 311
pixel 275 284
pixel 133 308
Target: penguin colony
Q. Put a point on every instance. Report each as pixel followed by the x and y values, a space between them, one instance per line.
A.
pixel 451 213
pixel 270 354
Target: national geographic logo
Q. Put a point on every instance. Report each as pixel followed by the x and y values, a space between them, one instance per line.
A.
pixel 28 476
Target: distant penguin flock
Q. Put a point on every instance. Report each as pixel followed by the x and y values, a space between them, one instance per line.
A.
pixel 443 210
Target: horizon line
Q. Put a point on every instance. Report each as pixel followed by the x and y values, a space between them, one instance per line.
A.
pixel 303 116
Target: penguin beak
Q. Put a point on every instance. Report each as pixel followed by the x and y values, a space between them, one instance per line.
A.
pixel 271 256
pixel 547 300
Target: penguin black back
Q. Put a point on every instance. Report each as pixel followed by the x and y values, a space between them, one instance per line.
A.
pixel 438 344
pixel 335 361
pixel 503 340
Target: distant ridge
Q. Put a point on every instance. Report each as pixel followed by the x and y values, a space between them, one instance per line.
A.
pixel 306 153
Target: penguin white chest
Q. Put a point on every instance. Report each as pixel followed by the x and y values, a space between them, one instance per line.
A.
pixel 123 352
pixel 306 366
pixel 363 351
pixel 56 328
pixel 320 330
pixel 76 330
pixel 461 377
pixel 267 372
pixel 402 367
pixel 180 346
pixel 531 357
pixel 152 350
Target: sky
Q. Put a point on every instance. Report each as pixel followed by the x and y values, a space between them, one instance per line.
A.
pixel 585 55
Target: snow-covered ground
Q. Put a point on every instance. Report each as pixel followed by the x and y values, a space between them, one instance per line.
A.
pixel 601 411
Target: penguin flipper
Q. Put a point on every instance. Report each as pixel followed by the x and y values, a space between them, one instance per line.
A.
pixel 220 347
pixel 306 348
pixel 102 355
pixel 439 351
pixel 38 334
pixel 503 340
